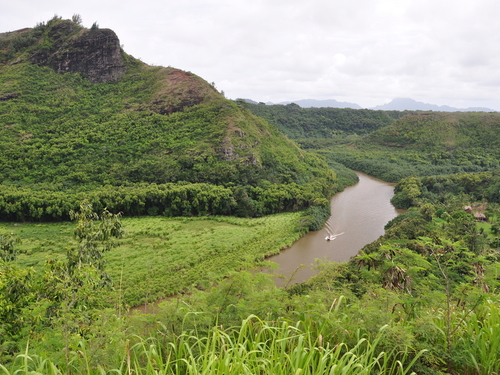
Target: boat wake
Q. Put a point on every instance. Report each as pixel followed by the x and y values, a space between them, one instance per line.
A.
pixel 333 236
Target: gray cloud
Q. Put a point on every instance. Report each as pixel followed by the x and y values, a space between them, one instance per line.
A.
pixel 363 51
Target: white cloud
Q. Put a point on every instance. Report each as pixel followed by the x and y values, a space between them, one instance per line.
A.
pixel 363 51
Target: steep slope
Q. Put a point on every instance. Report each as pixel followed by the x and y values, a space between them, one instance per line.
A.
pixel 78 113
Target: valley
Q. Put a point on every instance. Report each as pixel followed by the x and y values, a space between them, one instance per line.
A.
pixel 123 184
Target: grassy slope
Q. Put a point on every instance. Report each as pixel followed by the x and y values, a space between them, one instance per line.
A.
pixel 162 256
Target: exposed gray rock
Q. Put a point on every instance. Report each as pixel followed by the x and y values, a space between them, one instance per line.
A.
pixel 95 53
pixel 228 153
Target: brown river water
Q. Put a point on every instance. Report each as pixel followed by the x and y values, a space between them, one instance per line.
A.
pixel 359 214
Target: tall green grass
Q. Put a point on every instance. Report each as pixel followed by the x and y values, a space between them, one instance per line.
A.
pixel 474 339
pixel 482 339
pixel 162 256
pixel 255 347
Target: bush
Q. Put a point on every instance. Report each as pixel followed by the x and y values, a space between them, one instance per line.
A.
pixel 314 217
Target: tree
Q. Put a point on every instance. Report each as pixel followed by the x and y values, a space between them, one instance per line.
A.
pixel 7 249
pixel 95 234
pixel 76 18
pixel 427 211
pixel 74 284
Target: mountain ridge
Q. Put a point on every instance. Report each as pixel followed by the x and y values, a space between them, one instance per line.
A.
pixel 396 104
pixel 65 129
pixel 402 104
pixel 332 103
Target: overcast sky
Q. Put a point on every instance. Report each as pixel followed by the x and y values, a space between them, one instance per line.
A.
pixel 444 52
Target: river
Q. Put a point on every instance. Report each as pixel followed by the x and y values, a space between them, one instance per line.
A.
pixel 359 214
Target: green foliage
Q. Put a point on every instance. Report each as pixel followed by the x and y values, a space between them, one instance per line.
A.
pixel 255 346
pixel 7 247
pixel 65 294
pixel 95 234
pixel 314 217
pixel 424 144
pixel 409 214
pixel 322 123
pixel 481 339
pixel 413 191
pixel 62 135
pixel 173 199
pixel 16 293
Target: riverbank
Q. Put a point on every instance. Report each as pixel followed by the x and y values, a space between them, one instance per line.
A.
pixel 160 256
pixel 359 213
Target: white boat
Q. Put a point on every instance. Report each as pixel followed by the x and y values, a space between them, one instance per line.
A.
pixel 333 236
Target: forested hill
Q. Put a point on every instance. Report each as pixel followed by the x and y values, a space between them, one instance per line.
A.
pixel 78 113
pixel 426 144
pixel 323 123
pixel 441 132
pixel 392 144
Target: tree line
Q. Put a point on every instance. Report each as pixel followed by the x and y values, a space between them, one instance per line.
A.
pixel 172 199
pixel 322 123
pixel 415 191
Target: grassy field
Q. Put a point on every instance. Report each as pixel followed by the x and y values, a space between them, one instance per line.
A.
pixel 161 256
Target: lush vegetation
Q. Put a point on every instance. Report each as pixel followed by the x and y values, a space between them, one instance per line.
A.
pixel 174 199
pixel 323 123
pixel 63 138
pixel 424 145
pixel 461 187
pixel 254 347
pixel 392 145
pixel 161 257
pixel 423 298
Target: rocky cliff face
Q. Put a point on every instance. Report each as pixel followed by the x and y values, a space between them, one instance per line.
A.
pixel 95 53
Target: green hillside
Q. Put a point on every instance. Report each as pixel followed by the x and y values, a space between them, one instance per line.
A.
pixel 441 132
pixel 392 144
pixel 322 123
pixel 425 144
pixel 62 128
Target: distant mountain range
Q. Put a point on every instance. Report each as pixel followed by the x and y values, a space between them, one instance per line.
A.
pixel 308 103
pixel 401 104
pixel 398 104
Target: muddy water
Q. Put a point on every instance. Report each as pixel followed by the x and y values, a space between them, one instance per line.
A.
pixel 359 214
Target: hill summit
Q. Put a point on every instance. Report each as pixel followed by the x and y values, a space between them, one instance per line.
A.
pixel 77 112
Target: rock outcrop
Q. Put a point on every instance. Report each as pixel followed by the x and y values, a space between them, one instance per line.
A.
pixel 95 53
